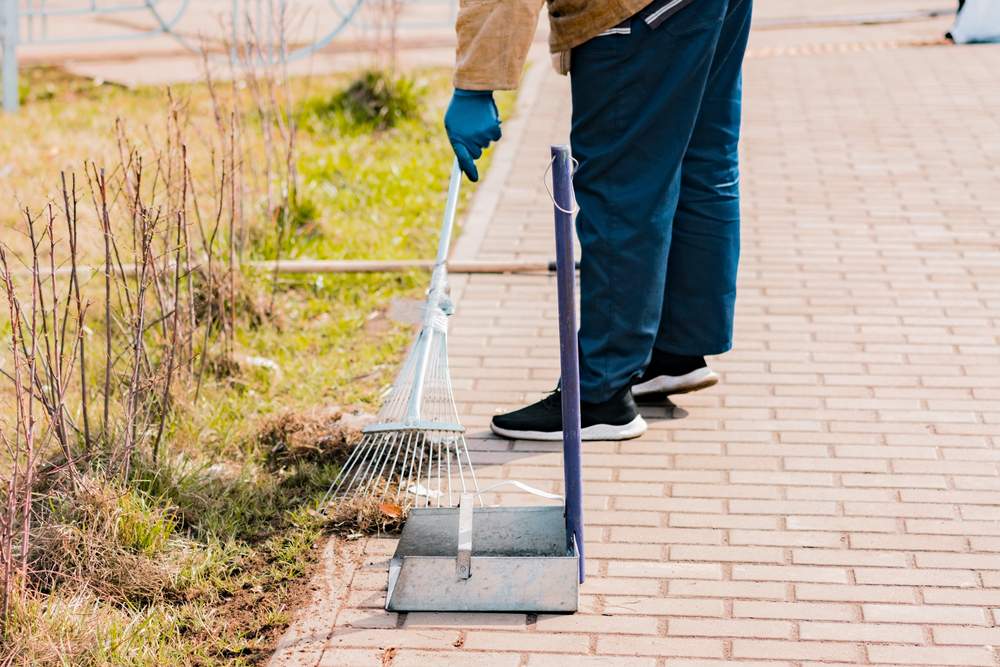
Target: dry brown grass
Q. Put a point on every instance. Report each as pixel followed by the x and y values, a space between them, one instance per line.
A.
pixel 372 512
pixel 323 433
pixel 106 540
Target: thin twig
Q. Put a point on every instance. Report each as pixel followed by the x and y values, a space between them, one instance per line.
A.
pixel 71 225
pixel 106 223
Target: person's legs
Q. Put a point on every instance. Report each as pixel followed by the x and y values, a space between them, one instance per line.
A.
pixel 700 292
pixel 636 103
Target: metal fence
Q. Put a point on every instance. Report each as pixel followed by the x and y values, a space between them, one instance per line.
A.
pixel 254 32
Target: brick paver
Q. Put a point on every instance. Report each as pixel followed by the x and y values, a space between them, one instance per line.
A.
pixel 835 499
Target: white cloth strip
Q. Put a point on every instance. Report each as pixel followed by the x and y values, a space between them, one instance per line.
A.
pixel 659 12
pixel 524 487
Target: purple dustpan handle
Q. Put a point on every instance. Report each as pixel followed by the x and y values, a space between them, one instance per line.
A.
pixel 562 186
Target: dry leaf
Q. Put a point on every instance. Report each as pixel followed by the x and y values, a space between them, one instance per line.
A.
pixel 391 510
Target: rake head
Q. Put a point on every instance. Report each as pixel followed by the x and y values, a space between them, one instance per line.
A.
pixel 415 453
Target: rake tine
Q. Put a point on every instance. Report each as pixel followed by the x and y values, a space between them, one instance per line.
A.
pixel 439 494
pixel 397 471
pixel 361 476
pixel 356 456
pixel 430 471
pixel 331 492
pixel 448 454
pixel 420 468
pixel 472 472
pixel 371 481
pixel 409 471
pixel 391 468
pixel 461 472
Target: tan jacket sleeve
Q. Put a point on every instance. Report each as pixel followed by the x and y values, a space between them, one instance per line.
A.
pixel 493 41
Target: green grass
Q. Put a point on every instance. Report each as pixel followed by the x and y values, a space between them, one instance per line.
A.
pixel 231 535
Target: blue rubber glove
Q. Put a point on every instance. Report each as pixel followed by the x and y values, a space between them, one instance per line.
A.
pixel 471 122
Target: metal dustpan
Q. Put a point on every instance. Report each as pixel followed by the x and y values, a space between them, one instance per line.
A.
pixel 507 559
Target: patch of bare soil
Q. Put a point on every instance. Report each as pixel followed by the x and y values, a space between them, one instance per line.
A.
pixel 250 609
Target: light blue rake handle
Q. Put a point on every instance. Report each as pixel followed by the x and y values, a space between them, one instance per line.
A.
pixel 436 295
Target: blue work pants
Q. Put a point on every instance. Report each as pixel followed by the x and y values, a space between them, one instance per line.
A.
pixel 656 120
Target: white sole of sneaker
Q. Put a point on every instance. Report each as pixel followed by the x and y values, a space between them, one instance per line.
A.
pixel 633 429
pixel 680 384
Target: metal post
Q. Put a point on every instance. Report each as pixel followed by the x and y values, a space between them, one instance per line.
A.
pixel 9 29
pixel 562 187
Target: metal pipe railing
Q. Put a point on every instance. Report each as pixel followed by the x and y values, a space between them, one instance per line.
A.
pixel 318 266
pixel 256 32
pixel 10 24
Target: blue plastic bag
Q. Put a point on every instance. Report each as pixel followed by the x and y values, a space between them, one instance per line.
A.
pixel 978 21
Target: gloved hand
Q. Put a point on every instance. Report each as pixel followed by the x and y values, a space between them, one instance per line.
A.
pixel 471 122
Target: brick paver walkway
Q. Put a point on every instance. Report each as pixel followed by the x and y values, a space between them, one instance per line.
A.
pixel 836 498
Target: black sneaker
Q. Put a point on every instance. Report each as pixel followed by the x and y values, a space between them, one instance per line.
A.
pixel 616 419
pixel 669 374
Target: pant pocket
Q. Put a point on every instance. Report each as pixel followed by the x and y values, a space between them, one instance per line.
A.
pixel 698 15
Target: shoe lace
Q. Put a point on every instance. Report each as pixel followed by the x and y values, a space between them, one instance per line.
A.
pixel 553 401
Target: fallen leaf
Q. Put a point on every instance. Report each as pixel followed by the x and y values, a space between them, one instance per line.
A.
pixel 391 510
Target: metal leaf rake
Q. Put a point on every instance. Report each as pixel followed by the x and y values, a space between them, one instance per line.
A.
pixel 415 452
